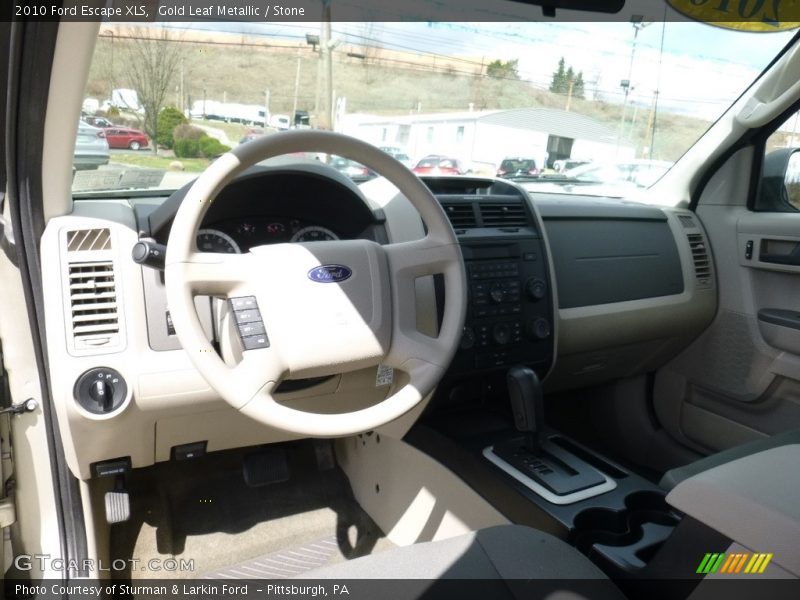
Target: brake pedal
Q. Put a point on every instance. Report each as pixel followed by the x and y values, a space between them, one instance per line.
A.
pixel 265 467
pixel 118 503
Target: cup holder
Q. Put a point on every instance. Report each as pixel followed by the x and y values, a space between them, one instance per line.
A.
pixel 631 535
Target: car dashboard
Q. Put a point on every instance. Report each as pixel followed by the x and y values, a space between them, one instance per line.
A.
pixel 584 290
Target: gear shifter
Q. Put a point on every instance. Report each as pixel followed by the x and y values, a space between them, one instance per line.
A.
pixel 549 468
pixel 527 404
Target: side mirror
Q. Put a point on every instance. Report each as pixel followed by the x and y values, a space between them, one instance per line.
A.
pixel 779 189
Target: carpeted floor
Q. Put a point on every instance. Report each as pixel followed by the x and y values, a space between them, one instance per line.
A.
pixel 202 510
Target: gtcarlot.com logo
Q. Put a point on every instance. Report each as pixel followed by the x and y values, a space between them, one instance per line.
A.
pixel 45 562
pixel 734 563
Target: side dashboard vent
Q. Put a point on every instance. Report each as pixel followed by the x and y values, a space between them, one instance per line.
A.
pixel 93 304
pixel 701 259
pixel 687 221
pixel 461 215
pixel 82 240
pixel 503 214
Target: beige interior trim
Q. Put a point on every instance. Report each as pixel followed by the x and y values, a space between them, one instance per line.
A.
pixel 71 62
pixel 36 528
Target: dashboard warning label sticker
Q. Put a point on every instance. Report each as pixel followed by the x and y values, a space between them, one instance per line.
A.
pixel 384 376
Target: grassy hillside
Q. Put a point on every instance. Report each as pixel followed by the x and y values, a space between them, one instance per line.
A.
pixel 242 70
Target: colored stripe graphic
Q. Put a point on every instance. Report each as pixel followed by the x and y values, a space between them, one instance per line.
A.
pixel 741 562
pixel 731 560
pixel 710 563
pixel 734 563
pixel 703 563
pixel 767 558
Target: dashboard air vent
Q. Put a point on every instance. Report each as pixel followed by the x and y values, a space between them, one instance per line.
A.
pixel 687 221
pixel 93 303
pixel 82 240
pixel 461 215
pixel 702 264
pixel 503 214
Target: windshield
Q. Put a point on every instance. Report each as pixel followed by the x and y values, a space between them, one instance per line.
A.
pixel 603 107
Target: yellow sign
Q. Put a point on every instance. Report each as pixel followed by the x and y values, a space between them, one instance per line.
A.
pixel 761 16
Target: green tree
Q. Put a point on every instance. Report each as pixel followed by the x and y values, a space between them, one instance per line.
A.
pixel 168 119
pixel 497 69
pixel 563 77
pixel 558 83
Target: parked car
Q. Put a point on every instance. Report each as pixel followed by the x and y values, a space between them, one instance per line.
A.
pixel 398 154
pixel 517 167
pixel 565 164
pixel 97 121
pixel 280 122
pixel 91 148
pixel 122 137
pixel 351 168
pixel 251 134
pixel 439 165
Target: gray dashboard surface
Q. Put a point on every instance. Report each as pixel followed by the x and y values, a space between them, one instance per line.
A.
pixel 611 253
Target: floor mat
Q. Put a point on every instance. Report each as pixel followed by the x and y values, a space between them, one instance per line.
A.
pixel 285 563
pixel 202 513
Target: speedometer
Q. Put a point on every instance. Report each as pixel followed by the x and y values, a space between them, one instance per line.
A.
pixel 213 240
pixel 314 233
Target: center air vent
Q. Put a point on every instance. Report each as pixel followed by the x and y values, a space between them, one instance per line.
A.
pixel 503 214
pixel 93 304
pixel 461 215
pixel 702 263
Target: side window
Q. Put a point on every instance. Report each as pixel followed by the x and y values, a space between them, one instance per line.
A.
pixel 779 187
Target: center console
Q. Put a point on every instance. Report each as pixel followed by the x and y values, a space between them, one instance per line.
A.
pixel 510 309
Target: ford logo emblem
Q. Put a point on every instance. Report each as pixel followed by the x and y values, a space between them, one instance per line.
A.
pixel 330 274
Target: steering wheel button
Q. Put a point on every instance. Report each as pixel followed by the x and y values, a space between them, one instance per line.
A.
pixel 247 316
pixel 252 342
pixel 254 328
pixel 244 302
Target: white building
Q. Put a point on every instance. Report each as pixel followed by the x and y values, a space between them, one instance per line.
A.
pixel 482 139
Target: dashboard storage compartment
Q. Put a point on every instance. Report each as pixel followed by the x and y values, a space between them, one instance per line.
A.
pixel 622 542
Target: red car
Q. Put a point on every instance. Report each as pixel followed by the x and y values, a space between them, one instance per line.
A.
pixel 122 137
pixel 438 165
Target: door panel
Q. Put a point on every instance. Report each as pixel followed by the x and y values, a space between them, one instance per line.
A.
pixel 741 379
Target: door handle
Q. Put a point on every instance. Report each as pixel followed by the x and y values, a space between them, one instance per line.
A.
pixel 781 259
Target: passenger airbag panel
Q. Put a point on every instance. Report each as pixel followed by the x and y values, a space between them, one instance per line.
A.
pixel 600 261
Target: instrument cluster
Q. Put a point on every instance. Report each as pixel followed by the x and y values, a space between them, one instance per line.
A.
pixel 235 236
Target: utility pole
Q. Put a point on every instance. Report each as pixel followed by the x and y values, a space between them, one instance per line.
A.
pixel 326 102
pixel 182 102
pixel 651 123
pixel 569 94
pixel 266 108
pixel 638 25
pixel 296 88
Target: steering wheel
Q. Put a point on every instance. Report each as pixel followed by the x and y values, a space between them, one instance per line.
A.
pixel 327 307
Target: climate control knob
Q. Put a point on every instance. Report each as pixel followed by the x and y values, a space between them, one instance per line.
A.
pixel 501 334
pixel 536 289
pixel 497 294
pixel 539 329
